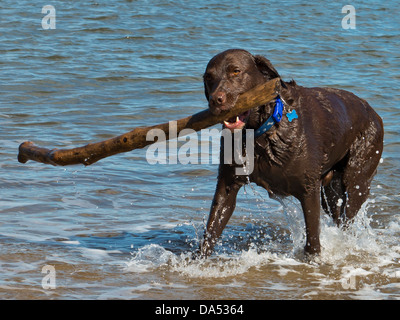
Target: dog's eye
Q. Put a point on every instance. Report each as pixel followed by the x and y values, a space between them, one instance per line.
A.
pixel 207 77
pixel 236 72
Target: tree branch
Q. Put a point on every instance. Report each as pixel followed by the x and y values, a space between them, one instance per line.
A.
pixel 136 138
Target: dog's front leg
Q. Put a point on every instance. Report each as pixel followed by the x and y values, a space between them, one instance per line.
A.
pixel 310 203
pixel 222 207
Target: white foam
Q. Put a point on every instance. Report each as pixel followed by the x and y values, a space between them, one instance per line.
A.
pixel 151 257
pixel 368 292
pixel 71 242
pixel 148 258
pixel 97 253
pixel 221 266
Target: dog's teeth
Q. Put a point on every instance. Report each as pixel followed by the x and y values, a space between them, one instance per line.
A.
pixel 237 118
pixel 226 123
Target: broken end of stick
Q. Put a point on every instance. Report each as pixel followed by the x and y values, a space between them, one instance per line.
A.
pixel 22 158
pixel 28 151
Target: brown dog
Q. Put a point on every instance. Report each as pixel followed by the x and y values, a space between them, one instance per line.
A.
pixel 326 155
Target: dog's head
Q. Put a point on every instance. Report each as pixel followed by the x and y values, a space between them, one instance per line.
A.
pixel 231 73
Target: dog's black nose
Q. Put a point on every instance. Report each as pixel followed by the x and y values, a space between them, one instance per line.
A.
pixel 217 102
pixel 220 98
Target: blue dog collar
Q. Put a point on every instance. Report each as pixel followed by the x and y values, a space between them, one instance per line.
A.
pixel 274 118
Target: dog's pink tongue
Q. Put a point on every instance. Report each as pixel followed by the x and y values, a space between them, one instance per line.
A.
pixel 236 122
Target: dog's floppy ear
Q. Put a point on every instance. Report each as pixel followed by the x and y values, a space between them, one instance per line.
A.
pixel 265 67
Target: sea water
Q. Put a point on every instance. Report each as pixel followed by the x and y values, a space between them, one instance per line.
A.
pixel 124 228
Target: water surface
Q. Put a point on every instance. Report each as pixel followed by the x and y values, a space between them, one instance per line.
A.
pixel 123 228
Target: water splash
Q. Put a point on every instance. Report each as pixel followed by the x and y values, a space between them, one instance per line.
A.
pixel 358 262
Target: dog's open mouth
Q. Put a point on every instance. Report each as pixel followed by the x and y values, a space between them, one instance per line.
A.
pixel 237 122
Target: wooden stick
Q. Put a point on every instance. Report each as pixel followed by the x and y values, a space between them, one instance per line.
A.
pixel 136 138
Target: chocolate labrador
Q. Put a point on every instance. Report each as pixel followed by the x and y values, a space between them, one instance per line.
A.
pixel 320 145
